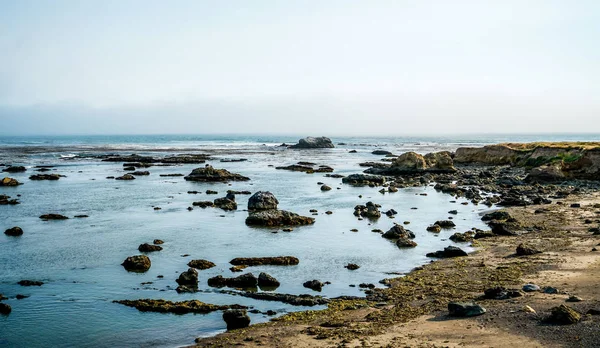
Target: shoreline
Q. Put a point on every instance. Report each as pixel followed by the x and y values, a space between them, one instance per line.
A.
pixel 412 312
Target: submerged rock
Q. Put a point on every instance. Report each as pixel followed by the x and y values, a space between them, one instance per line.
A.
pixel 277 218
pixel 563 315
pixel 313 143
pixel 450 251
pixel 313 285
pixel 30 283
pixel 53 217
pixel 14 231
pixel 45 177
pixel 146 248
pixel 261 261
pixel 5 200
pixel 262 200
pixel 352 266
pixel 14 169
pixel 137 263
pixel 294 300
pixel 203 204
pixel 163 306
pixel 125 177
pixel 236 319
pixel 210 174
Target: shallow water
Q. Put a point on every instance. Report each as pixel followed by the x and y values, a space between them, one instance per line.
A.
pixel 79 259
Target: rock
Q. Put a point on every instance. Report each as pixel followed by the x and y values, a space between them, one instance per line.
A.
pixel 201 264
pixel 391 213
pixel 14 231
pixel 363 180
pixel 210 174
pixel 82 216
pixel 496 215
pixel 53 217
pixel 325 188
pixel 434 228
pixel 445 223
pixel 261 261
pixel 262 200
pixel 453 212
pixel 397 232
pixel 412 163
pixel 9 182
pixel 501 293
pixel 501 229
pixel 465 309
pixel 313 143
pixel 5 309
pixel 294 300
pixel 188 278
pixel 524 249
pixel 381 152
pixel 226 203
pixel 140 173
pixel 137 263
pixel 247 280
pixel 369 210
pixel 146 248
pixel 203 204
pixel 236 319
pixel 163 306
pixel 125 177
pixel 462 237
pixel 593 311
pixel 405 243
pixel 483 234
pixel 157 242
pixel 563 315
pixel 14 169
pixel 30 283
pixel 531 288
pixel 352 266
pixel 574 298
pixel 450 251
pixel 211 192
pixel 51 177
pixel 313 285
pixel 546 174
pixel 267 281
pixel 277 218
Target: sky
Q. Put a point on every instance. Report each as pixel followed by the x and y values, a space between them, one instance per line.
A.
pixel 328 67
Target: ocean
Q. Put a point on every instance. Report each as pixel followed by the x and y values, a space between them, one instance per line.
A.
pixel 79 259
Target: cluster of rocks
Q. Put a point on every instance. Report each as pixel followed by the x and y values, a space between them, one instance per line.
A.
pixel 210 174
pixel 262 208
pixel 246 281
pixel 404 238
pixel 313 143
pixel 183 307
pixel 411 163
pixel 369 210
pixel 6 200
pixel 307 167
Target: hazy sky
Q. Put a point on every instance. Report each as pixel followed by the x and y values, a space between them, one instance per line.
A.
pixel 315 67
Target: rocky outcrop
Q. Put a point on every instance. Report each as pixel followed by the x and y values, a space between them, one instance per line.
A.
pixel 448 252
pixel 262 200
pixel 9 182
pixel 14 231
pixel 413 163
pixel 369 210
pixel 226 203
pixel 313 143
pixel 125 177
pixel 262 261
pixel 201 264
pixel 236 319
pixel 6 200
pixel 137 263
pixel 364 180
pixel 244 281
pixel 210 174
pixel 277 218
pixel 266 281
pixel 163 306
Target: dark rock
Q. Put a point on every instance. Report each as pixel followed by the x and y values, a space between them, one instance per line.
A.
pixel 260 261
pixel 188 278
pixel 137 263
pixel 81 216
pixel 352 266
pixel 391 212
pixel 14 231
pixel 53 217
pixel 267 281
pixel 325 188
pixel 531 288
pixel 21 296
pixel 294 300
pixel 524 249
pixel 14 169
pixel 574 298
pixel 445 223
pixel 201 264
pixel 465 309
pixel 277 218
pixel 313 143
pixel 483 234
pixel 157 242
pixel 453 212
pixel 462 237
pixel 9 182
pixel 226 203
pixel 563 315
pixel 171 175
pixel 5 309
pixel 363 179
pixel 210 174
pixel 125 177
pixel 501 293
pixel 496 215
pixel 247 280
pixel 5 200
pixel 381 152
pixel 262 200
pixel 45 177
pixel 369 210
pixel 593 311
pixel 397 232
pixel 140 173
pixel 405 243
pixel 313 285
pixel 211 192
pixel 203 204
pixel 146 248
pixel 163 306
pixel 236 319
pixel 501 229
pixel 450 251
pixel 30 283
pixel 434 228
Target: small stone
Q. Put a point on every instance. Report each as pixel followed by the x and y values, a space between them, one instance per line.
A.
pixel 527 309
pixel 574 298
pixel 465 309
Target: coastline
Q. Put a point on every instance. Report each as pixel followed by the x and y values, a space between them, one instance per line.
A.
pixel 412 312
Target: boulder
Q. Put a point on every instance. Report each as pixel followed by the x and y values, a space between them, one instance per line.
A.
pixel 369 210
pixel 325 188
pixel 277 218
pixel 14 231
pixel 261 261
pixel 501 229
pixel 564 315
pixel 226 203
pixel 267 281
pixel 445 223
pixel 236 319
pixel 201 264
pixel 262 200
pixel 405 243
pixel 313 285
pixel 450 251
pixel 137 263
pixel 164 306
pixel 496 215
pixel 5 309
pixel 210 174
pixel 434 228
pixel 546 174
pixel 146 248
pixel 9 182
pixel 247 280
pixel 352 266
pixel 313 143
pixel 381 152
pixel 203 204
pixel 140 173
pixel 188 278
pixel 30 283
pixel 462 237
pixel 531 288
pixel 465 309
pixel 397 232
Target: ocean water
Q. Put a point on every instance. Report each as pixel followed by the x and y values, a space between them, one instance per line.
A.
pixel 79 259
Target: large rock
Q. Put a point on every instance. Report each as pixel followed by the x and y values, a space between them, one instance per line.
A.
pixel 236 319
pixel 313 285
pixel 201 264
pixel 9 182
pixel 413 163
pixel 564 315
pixel 137 263
pixel 14 169
pixel 14 231
pixel 244 281
pixel 262 200
pixel 5 309
pixel 210 174
pixel 397 232
pixel 369 210
pixel 277 218
pixel 226 203
pixel 545 174
pixel 313 143
pixel 188 278
pixel 525 249
pixel 45 177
